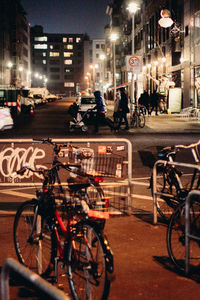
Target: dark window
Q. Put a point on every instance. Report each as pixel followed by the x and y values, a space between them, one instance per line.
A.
pixel 54 62
pixel 54 70
pixel 55 76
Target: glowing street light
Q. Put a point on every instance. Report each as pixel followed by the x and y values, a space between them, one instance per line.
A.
pixel 10 64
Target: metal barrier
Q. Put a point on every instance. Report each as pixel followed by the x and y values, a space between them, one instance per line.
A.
pixel 155 193
pixel 37 282
pixel 110 157
pixel 189 236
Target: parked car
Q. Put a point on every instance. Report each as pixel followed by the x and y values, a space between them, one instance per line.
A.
pixel 6 120
pixel 51 97
pixel 85 103
pixel 38 99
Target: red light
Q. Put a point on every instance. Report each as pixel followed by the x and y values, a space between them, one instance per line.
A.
pixel 98 179
pixel 106 205
pixel 45 191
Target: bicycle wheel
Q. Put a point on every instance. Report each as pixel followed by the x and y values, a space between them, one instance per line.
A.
pixel 141 120
pixel 89 264
pixel 165 203
pixel 133 121
pixel 95 197
pixel 176 236
pixel 32 238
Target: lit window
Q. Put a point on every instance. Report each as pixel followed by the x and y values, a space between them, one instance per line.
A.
pixel 51 46
pixel 64 40
pixel 69 84
pixel 68 54
pixel 44 61
pixel 70 40
pixel 44 54
pixel 78 39
pixel 40 46
pixel 67 70
pixel 41 39
pixel 54 54
pixel 68 62
pixel 69 47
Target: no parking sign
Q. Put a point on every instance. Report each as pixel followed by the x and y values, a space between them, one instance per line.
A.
pixel 133 63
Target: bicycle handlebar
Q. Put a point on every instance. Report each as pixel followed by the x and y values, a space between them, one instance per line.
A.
pixel 193 145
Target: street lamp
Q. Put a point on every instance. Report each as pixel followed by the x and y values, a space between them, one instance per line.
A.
pixel 113 38
pixel 132 8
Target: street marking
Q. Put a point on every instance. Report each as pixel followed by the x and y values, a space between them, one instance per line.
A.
pixel 13 193
pixel 141 197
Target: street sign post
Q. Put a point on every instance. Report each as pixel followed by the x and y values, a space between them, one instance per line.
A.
pixel 133 63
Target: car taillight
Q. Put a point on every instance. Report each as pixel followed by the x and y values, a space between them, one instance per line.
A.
pixel 98 179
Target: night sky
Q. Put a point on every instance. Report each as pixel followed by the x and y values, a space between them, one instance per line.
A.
pixel 68 16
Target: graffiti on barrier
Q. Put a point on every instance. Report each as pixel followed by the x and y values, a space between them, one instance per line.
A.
pixel 12 159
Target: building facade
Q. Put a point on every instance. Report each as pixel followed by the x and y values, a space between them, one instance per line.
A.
pixel 169 55
pixel 98 65
pixel 59 61
pixel 14 45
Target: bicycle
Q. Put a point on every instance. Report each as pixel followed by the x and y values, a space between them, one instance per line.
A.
pixel 138 117
pixel 169 184
pixel 42 239
pixel 86 184
pixel 176 236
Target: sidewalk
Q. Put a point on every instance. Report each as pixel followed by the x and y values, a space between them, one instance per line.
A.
pixel 164 123
pixel 142 267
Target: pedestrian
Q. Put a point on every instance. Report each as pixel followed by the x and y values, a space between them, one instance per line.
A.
pixel 100 114
pixel 154 101
pixel 116 107
pixel 144 100
pixel 123 109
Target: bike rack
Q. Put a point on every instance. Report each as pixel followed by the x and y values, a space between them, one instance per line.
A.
pixel 189 236
pixel 155 193
pixel 33 278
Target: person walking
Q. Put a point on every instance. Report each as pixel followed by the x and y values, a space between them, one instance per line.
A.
pixel 123 109
pixel 154 100
pixel 116 107
pixel 100 114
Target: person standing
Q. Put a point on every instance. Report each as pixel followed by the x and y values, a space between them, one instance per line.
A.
pixel 123 109
pixel 100 114
pixel 116 107
pixel 154 100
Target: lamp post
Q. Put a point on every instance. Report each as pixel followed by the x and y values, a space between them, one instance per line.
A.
pixel 132 8
pixel 102 58
pixel 113 38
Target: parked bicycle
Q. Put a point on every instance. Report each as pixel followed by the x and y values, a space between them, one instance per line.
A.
pixel 47 233
pixel 169 182
pixel 176 241
pixel 86 184
pixel 138 117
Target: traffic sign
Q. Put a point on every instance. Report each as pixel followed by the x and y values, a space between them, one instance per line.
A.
pixel 133 63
